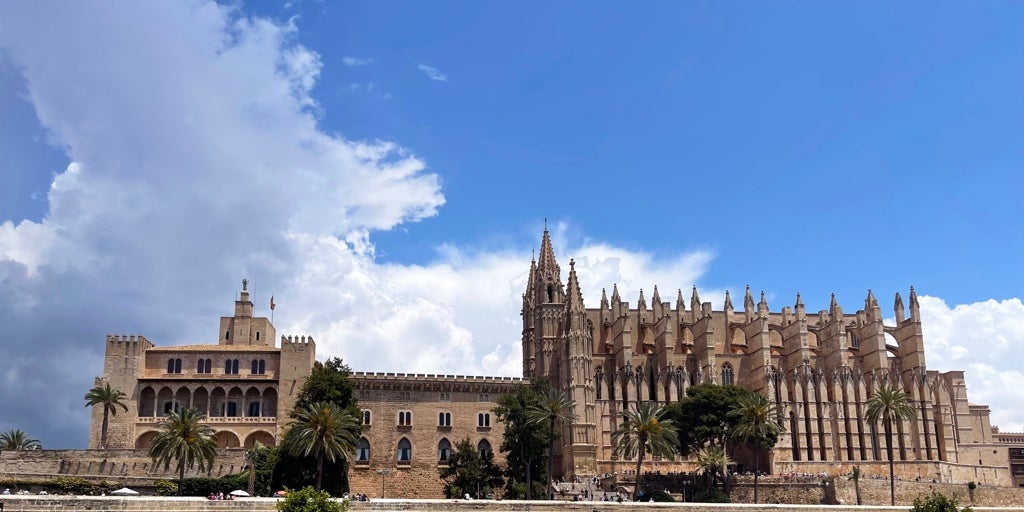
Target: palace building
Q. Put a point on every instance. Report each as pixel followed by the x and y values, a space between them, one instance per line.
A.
pixel 821 368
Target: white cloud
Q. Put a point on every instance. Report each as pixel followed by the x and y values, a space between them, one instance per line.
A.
pixel 354 62
pixel 433 73
pixel 985 339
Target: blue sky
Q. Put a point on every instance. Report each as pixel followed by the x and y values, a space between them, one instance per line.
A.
pixel 386 168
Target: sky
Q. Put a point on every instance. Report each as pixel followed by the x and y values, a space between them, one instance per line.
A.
pixel 385 171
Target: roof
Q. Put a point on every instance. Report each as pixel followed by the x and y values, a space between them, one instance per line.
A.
pixel 215 348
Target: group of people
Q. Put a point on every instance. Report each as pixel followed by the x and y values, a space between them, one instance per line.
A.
pixel 219 496
pixel 356 497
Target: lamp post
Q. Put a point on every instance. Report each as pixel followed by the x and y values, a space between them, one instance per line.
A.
pixel 383 473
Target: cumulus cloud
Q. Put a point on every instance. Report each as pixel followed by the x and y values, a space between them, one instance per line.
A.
pixel 355 62
pixel 985 339
pixel 433 73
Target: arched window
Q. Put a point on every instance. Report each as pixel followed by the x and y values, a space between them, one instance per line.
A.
pixel 854 340
pixel 551 292
pixel 727 377
pixel 484 449
pixel 444 419
pixel 170 366
pixel 231 367
pixel 255 367
pixel 177 366
pixel 227 367
pixel 254 409
pixel 444 451
pixel 263 367
pixel 232 409
pixel 363 451
pixel 404 450
pixel 209 366
pixel 483 420
pixel 257 335
pixel 366 417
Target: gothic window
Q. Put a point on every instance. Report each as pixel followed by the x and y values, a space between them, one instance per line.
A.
pixel 444 451
pixel 174 366
pixel 259 367
pixel 854 340
pixel 366 418
pixel 177 366
pixel 727 377
pixel 484 449
pixel 404 450
pixel 170 366
pixel 444 419
pixel 254 409
pixel 255 367
pixel 232 410
pixel 551 292
pixel 170 406
pixel 263 367
pixel 231 367
pixel 483 420
pixel 404 418
pixel 363 451
pixel 597 382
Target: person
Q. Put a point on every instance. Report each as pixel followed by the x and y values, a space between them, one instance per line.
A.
pixel 7 491
pixel 467 496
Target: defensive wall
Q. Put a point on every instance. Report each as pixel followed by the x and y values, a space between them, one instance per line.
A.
pixel 119 467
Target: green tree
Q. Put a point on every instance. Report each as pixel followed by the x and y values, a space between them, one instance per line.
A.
pixel 184 438
pixel 522 440
pixel 855 476
pixel 469 471
pixel 937 502
pixel 324 431
pixel 311 500
pixel 713 462
pixel 889 404
pixel 644 429
pixel 110 399
pixel 705 416
pixel 17 439
pixel 329 381
pixel 554 406
pixel 757 424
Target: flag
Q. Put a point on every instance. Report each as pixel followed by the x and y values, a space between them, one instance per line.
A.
pixel 272 305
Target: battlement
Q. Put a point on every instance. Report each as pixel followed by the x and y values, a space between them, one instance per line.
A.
pixel 439 377
pixel 127 338
pixel 296 339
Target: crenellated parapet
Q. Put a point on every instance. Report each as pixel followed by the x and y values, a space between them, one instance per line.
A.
pixel 436 382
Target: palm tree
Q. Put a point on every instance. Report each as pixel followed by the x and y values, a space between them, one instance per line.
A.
pixel 712 460
pixel 855 476
pixel 554 406
pixel 323 430
pixel 889 404
pixel 17 439
pixel 111 399
pixel 183 437
pixel 757 423
pixel 643 430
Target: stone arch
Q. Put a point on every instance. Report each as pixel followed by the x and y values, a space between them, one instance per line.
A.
pixel 227 439
pixel 165 401
pixel 444 450
pixel 483 448
pixel 270 402
pixel 404 453
pixel 363 450
pixel 233 403
pixel 147 402
pixel 812 340
pixel 145 440
pixel 253 402
pixel 201 400
pixel 217 399
pixel 262 436
pixel 774 338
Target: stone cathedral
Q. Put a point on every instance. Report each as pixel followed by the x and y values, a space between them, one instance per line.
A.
pixel 820 368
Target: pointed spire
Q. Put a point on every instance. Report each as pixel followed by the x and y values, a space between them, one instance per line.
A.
pixel 547 253
pixel 694 298
pixel 832 305
pixel 762 306
pixel 913 298
pixel 870 301
pixel 604 299
pixel 799 301
pixel 641 304
pixel 915 307
pixel 898 309
pixel 574 297
pixel 656 298
pixel 799 309
pixel 680 305
pixel 615 293
pixel 728 301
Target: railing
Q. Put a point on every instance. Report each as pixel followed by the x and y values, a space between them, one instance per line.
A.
pixel 218 419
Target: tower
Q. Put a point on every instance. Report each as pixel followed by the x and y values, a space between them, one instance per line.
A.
pixel 543 309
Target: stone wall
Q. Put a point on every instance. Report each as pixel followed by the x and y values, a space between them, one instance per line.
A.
pixel 132 466
pixel 144 504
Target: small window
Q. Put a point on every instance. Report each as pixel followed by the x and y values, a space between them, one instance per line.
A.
pixel 483 420
pixel 201 366
pixel 257 335
pixel 363 451
pixel 263 367
pixel 404 450
pixel 366 418
pixel 227 335
pixel 444 451
pixel 170 366
pixel 484 397
pixel 231 367
pixel 177 366
pixel 484 449
pixel 854 340
pixel 444 419
pixel 404 418
pixel 255 367
pixel 445 397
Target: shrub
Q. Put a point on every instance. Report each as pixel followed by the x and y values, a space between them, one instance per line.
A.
pixel 659 496
pixel 311 500
pixel 166 488
pixel 937 502
pixel 710 495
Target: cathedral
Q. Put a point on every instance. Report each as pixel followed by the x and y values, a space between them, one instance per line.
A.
pixel 820 368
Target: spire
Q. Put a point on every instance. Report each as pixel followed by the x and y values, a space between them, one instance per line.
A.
pixel 870 301
pixel 615 293
pixel 835 311
pixel 728 301
pixel 762 306
pixel 656 298
pixel 547 253
pixel 604 299
pixel 799 308
pixel 680 305
pixel 574 298
pixel 799 301
pixel 898 309
pixel 695 299
pixel 748 301
pixel 641 304
pixel 915 308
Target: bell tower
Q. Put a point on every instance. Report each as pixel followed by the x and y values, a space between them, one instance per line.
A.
pixel 543 313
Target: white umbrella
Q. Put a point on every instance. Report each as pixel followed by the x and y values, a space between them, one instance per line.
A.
pixel 240 493
pixel 124 491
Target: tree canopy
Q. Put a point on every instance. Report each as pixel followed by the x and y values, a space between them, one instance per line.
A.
pixel 470 472
pixel 705 416
pixel 110 399
pixel 523 441
pixel 183 438
pixel 17 439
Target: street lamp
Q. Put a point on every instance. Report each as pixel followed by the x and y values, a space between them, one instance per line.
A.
pixel 383 473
